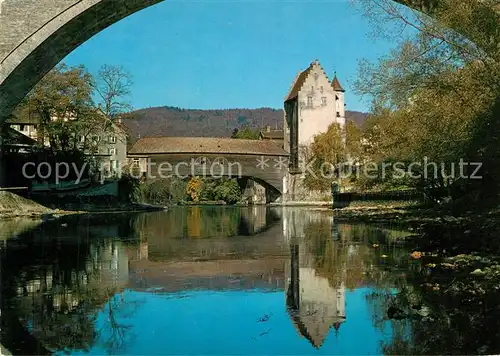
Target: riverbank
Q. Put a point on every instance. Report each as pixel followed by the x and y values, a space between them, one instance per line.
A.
pixel 13 206
pixel 299 203
pixel 4 351
pixel 403 213
pixel 411 214
pixel 472 230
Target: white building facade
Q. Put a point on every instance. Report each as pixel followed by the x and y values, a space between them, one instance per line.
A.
pixel 312 104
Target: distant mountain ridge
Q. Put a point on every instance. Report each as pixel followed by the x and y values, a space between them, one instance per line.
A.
pixel 174 121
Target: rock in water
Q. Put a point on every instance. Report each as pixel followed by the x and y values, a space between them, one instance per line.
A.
pixel 477 273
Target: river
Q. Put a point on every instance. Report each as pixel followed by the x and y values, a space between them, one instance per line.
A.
pixel 205 280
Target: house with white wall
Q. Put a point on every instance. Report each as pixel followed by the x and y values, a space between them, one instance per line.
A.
pixel 312 104
pixel 107 147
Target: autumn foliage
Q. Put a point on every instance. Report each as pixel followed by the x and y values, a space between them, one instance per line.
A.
pixel 194 188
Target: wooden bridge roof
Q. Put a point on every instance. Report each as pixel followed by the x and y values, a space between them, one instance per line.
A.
pixel 206 145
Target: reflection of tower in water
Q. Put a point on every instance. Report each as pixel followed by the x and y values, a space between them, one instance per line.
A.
pixel 313 303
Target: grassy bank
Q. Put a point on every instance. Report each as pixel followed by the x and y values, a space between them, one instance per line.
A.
pixel 13 206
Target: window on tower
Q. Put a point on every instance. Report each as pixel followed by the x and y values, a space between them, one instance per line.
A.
pixel 323 101
pixel 338 113
pixel 309 101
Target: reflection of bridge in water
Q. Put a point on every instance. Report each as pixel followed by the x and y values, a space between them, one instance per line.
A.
pixel 312 262
pixel 314 298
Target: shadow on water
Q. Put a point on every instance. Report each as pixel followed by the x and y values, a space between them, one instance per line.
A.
pixel 14 227
pixel 258 275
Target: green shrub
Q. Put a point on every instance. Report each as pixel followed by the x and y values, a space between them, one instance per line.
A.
pixel 228 191
pixel 161 191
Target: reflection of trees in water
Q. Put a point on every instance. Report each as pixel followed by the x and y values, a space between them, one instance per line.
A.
pixel 56 313
pixel 205 221
pixel 415 328
pixel 15 227
pixel 191 222
pixel 442 324
pixel 326 258
pixel 421 323
pixel 54 285
pixel 345 253
pixel 115 332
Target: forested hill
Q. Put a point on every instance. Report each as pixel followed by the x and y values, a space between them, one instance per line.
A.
pixel 173 121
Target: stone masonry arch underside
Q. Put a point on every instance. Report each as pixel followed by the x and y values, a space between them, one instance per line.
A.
pixel 35 35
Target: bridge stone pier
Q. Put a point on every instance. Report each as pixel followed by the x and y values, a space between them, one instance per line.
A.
pixel 35 35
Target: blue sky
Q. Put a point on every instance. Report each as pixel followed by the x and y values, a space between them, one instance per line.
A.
pixel 232 54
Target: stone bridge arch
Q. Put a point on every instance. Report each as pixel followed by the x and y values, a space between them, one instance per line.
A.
pixel 35 35
pixel 249 161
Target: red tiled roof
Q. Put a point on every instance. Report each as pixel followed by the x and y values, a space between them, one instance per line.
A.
pixel 214 145
pixel 336 84
pixel 299 83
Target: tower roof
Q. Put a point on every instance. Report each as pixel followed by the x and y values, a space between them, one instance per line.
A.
pixel 336 84
pixel 299 82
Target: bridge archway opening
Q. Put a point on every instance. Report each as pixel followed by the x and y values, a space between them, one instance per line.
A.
pixel 265 192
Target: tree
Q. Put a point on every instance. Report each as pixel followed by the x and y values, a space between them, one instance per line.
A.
pixel 113 85
pixel 324 157
pixel 228 191
pixel 435 90
pixel 245 132
pixel 354 141
pixel 62 98
pixel 194 188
